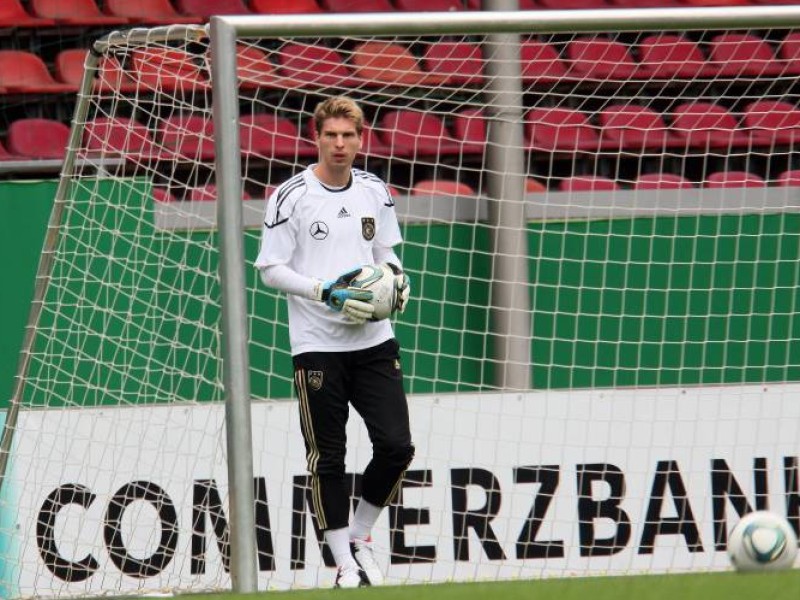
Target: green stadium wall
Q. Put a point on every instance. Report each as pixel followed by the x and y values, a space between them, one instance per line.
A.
pixel 664 300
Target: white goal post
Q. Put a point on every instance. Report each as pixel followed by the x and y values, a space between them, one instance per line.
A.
pixel 601 350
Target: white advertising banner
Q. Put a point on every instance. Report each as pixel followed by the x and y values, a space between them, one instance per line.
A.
pixel 544 484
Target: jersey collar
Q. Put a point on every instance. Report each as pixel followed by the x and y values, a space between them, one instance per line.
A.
pixel 333 190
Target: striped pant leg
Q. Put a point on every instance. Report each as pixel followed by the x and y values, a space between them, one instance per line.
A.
pixel 321 385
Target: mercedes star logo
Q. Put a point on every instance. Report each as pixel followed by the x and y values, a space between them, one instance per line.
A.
pixel 319 230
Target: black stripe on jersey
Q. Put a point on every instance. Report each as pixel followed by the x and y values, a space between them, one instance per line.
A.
pixel 284 190
pixel 370 177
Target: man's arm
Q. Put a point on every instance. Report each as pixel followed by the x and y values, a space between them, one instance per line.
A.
pixel 288 280
pixel 337 293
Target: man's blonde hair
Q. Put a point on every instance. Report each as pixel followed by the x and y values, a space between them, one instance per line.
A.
pixel 336 107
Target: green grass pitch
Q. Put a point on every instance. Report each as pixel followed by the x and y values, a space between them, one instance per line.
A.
pixel 783 585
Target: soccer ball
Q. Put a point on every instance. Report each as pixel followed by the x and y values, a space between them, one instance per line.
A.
pixel 762 541
pixel 379 279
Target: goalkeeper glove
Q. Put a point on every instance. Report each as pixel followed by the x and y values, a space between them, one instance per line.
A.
pixel 352 301
pixel 403 286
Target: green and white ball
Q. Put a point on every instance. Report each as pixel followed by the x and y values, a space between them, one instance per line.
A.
pixel 762 541
pixel 379 279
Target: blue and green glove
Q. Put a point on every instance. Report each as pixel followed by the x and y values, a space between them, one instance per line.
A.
pixel 341 297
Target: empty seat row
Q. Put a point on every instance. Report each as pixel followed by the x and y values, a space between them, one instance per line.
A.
pixel 657 56
pixel 664 56
pixel 596 58
pixel 699 125
pixel 26 73
pixel 48 13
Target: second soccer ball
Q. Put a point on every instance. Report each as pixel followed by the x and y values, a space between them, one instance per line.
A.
pixel 762 541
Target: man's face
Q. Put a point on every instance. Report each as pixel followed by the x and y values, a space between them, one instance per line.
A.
pixel 338 143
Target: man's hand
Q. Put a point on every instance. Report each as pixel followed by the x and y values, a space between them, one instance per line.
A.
pixel 403 286
pixel 352 301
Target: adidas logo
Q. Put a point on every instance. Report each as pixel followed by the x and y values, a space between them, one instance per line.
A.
pixel 343 213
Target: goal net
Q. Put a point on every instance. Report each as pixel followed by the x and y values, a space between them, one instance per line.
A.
pixel 601 351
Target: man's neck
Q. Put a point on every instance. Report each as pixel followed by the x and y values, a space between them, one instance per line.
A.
pixel 334 179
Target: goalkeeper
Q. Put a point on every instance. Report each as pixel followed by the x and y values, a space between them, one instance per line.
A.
pixel 319 225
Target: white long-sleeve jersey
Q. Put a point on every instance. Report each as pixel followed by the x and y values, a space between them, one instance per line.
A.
pixel 316 234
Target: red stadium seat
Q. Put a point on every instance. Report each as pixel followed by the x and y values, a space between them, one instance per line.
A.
pixel 119 136
pixel 706 125
pixel 344 6
pixel 560 130
pixel 38 138
pixel 789 53
pixel 13 14
pixel 733 179
pixel 267 136
pixel 572 4
pixel 275 7
pixel 388 63
pixel 587 183
pixel 717 2
pixel 429 5
pixel 74 12
pixel 372 145
pixel 790 178
pixel 313 65
pixel 523 5
pixel 669 56
pixel 662 181
pixel 599 58
pixel 69 67
pixel 540 63
pixel 645 3
pixel 411 133
pixel 209 8
pixel 161 194
pixel 187 137
pixel 25 73
pixel 153 12
pixel 457 62
pixel 167 69
pixel 441 187
pixel 772 122
pixel 736 54
pixel 534 186
pixel 254 68
pixel 469 128
pixel 634 127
